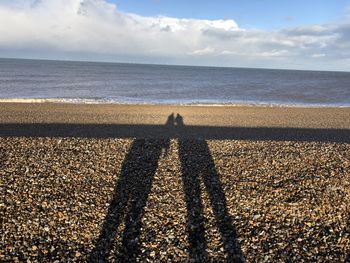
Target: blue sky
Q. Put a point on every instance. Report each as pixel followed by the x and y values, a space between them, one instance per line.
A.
pixel 264 14
pixel 313 35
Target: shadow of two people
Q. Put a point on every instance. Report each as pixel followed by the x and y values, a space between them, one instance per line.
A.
pixel 134 185
pixel 173 121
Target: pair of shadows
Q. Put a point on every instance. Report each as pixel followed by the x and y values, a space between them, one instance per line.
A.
pixel 174 122
pixel 134 186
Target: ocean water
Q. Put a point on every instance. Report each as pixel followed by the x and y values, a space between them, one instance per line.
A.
pixel 90 82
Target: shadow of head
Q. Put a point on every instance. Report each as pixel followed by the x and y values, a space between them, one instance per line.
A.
pixel 173 121
pixel 170 121
pixel 179 120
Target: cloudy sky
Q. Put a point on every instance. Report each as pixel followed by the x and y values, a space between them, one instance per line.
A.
pixel 252 33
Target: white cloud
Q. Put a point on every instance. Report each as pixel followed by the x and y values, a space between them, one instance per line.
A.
pixel 204 51
pixel 318 55
pixel 95 29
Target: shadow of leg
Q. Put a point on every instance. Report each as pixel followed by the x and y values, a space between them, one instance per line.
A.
pixel 218 202
pixel 131 193
pixel 195 216
pixel 146 166
pixel 197 162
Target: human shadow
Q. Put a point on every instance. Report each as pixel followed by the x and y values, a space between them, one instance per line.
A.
pixel 129 200
pixel 139 167
pixel 197 164
pixel 170 121
pixel 135 183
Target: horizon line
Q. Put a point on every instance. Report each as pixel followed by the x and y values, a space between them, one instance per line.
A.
pixel 168 65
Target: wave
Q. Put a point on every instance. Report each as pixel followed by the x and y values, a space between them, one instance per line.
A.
pixel 170 102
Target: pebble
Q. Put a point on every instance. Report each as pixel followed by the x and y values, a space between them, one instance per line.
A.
pixel 281 201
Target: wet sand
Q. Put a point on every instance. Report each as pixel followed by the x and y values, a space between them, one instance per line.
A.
pixel 124 182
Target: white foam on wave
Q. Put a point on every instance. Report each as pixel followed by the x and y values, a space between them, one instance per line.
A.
pixel 51 100
pixel 172 102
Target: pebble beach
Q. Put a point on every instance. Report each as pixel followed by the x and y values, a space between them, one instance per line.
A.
pixel 103 195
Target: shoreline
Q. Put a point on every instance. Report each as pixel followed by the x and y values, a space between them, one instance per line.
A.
pixel 193 104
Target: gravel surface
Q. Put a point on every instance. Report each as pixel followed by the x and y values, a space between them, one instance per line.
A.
pixel 184 200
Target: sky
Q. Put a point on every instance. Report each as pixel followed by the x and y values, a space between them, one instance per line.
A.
pixel 312 35
pixel 263 14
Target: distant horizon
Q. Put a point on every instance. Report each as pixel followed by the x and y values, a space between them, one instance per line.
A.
pixel 170 65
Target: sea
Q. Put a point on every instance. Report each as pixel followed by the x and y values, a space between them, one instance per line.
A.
pixel 97 82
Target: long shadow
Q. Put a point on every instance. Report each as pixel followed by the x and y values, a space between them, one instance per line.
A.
pixel 140 164
pixel 129 200
pixel 197 164
pixel 163 131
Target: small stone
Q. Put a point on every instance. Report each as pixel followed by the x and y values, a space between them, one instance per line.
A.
pixel 256 217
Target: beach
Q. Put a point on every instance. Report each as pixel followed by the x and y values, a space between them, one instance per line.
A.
pixel 156 183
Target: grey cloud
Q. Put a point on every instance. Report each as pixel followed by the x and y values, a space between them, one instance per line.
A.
pixel 223 35
pixel 308 31
pixel 344 32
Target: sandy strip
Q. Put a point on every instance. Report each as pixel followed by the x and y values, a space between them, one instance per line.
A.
pixel 232 116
